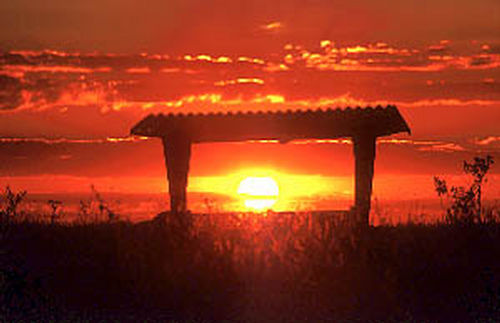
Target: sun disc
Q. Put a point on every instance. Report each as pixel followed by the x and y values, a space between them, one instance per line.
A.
pixel 258 192
pixel 258 186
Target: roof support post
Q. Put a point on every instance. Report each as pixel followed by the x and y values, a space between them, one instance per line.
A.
pixel 364 155
pixel 177 152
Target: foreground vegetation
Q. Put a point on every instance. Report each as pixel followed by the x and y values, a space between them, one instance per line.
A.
pixel 251 267
pixel 268 267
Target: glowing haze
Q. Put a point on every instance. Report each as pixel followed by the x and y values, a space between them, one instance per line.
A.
pixel 75 77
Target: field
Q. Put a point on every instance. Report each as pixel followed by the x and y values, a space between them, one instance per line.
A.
pixel 249 267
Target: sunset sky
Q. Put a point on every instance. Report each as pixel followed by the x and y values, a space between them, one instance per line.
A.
pixel 75 76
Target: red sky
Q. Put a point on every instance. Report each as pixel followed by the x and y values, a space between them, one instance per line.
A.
pixel 75 76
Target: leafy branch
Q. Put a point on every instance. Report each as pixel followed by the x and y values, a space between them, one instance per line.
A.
pixel 466 203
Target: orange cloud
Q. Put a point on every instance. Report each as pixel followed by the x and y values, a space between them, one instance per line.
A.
pixel 22 69
pixel 448 147
pixel 214 102
pixel 241 80
pixel 208 58
pixel 101 95
pixel 272 26
pixel 380 57
pixel 53 141
pixel 138 70
pixel 487 141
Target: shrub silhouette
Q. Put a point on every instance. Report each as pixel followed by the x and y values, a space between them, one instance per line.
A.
pixel 12 201
pixel 101 204
pixel 55 205
pixel 466 204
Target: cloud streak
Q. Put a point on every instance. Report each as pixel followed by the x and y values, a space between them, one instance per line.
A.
pixel 62 91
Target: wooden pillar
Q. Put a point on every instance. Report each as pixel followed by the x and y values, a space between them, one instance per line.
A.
pixel 177 151
pixel 364 155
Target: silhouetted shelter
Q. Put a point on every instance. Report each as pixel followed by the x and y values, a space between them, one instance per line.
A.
pixel 362 125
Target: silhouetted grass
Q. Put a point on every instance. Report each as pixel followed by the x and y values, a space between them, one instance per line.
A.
pixel 277 267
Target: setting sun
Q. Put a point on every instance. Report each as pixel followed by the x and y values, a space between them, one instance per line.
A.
pixel 259 193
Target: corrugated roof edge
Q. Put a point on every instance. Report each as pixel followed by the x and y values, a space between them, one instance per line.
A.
pixel 388 108
pixel 276 112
